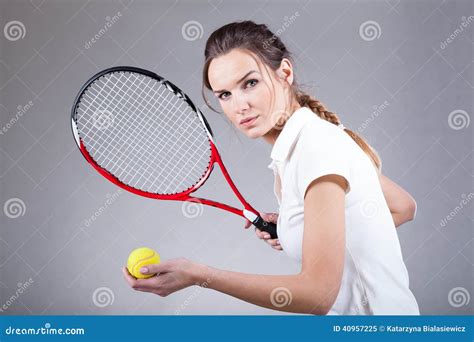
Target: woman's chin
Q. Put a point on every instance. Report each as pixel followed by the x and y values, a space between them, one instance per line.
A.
pixel 253 133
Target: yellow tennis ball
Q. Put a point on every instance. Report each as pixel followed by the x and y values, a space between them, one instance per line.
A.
pixel 141 257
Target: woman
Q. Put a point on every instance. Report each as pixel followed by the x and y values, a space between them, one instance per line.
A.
pixel 337 213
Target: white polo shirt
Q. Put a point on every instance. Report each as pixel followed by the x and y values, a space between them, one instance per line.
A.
pixel 375 279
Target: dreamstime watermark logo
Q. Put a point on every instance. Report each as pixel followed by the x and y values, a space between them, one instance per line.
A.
pixel 192 30
pixel 192 296
pixel 458 119
pixel 102 297
pixel 370 30
pixel 281 297
pixel 279 118
pixel 14 208
pixel 377 110
pixel 464 24
pixel 102 119
pixel 369 208
pixel 46 330
pixel 110 199
pixel 21 110
pixel 287 22
pixel 458 296
pixel 192 208
pixel 462 204
pixel 14 30
pixel 109 22
pixel 22 287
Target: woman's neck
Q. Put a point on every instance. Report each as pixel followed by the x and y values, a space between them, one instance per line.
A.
pixel 273 134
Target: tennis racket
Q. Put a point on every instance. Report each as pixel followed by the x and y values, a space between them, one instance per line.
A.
pixel 144 134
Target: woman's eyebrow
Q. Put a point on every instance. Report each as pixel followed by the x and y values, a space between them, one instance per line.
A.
pixel 240 80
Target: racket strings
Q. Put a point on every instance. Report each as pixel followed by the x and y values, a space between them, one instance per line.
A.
pixel 130 181
pixel 99 144
pixel 133 165
pixel 141 132
pixel 142 125
pixel 136 123
pixel 107 138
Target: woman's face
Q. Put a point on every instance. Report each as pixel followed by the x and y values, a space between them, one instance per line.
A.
pixel 252 97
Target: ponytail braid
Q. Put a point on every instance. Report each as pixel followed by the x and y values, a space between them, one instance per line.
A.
pixel 319 109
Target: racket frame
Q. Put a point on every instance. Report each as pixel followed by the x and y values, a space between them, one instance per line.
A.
pixel 248 212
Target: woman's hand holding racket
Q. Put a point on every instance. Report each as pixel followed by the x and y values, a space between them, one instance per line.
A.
pixel 273 218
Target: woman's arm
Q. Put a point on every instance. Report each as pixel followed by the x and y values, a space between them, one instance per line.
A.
pixel 401 204
pixel 312 291
pixel 315 288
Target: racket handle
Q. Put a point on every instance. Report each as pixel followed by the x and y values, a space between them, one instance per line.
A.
pixel 265 226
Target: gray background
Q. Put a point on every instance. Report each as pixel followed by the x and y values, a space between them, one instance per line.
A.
pixel 70 263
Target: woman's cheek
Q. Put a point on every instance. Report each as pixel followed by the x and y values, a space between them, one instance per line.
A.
pixel 226 110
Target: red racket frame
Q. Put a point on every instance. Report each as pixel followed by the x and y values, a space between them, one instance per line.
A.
pixel 185 195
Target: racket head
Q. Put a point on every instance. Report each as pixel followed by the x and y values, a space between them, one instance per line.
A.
pixel 143 133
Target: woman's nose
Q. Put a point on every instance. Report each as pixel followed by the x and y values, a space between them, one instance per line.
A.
pixel 241 105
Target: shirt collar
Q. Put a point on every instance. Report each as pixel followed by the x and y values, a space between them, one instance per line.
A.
pixel 290 132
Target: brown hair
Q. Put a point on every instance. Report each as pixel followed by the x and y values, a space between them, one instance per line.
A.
pixel 260 41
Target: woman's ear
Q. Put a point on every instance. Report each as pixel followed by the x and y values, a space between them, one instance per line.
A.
pixel 285 71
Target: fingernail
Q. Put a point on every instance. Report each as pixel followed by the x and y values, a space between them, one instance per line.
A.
pixel 267 236
pixel 143 270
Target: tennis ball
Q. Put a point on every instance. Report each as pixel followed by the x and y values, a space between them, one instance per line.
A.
pixel 141 257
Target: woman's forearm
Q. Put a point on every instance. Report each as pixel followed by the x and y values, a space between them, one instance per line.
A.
pixel 289 293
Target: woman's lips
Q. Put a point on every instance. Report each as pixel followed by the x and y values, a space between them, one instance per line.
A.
pixel 248 121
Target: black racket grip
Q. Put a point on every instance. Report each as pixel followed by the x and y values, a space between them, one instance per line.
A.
pixel 265 226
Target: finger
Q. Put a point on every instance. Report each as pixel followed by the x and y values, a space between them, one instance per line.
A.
pixel 248 224
pixel 149 284
pixel 259 233
pixel 264 235
pixel 265 216
pixel 272 217
pixel 273 242
pixel 155 268
pixel 144 285
pixel 132 281
pixel 278 247
pixel 143 289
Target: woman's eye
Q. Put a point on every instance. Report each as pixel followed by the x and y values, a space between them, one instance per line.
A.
pixel 224 95
pixel 251 83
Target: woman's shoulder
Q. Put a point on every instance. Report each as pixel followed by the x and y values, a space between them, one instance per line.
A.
pixel 321 134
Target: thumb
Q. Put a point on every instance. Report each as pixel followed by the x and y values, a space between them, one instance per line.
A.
pixel 154 268
pixel 269 217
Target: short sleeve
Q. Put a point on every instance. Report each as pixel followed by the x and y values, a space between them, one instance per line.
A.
pixel 318 156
